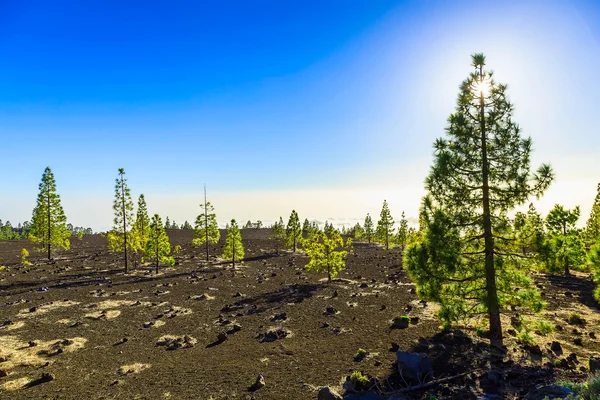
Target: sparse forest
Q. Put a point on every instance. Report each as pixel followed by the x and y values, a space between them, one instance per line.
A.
pixel 481 296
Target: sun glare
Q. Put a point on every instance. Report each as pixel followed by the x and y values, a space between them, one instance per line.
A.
pixel 482 87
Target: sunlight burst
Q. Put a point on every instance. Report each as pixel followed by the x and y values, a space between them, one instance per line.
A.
pixel 482 87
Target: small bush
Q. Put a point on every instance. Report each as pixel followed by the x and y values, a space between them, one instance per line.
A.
pixel 587 390
pixel 405 318
pixel 525 338
pixel 177 250
pixel 544 327
pixel 360 354
pixel 196 242
pixel 358 379
pixel 24 255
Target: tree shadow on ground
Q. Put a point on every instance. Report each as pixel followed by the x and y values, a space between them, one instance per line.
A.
pixel 579 287
pixel 295 293
pixel 109 277
pixel 461 364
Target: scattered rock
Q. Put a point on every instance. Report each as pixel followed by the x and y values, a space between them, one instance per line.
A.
pixel 414 367
pixel 328 393
pixel 556 348
pixel 221 337
pixel 330 311
pixel 279 317
pixel 548 392
pixel 400 322
pixel 46 377
pixel 273 334
pixel 3 373
pixel 259 383
pixel 176 342
pixel 594 364
pixel 578 341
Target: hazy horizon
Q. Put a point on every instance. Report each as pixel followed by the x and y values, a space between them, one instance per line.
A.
pixel 324 107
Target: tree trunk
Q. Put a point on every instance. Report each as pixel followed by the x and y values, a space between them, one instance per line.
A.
pixel 49 224
pixel 205 223
pixel 157 257
pixel 233 255
pixel 490 269
pixel 124 222
pixel 567 272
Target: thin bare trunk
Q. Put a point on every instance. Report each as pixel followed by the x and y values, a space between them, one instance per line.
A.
pixel 490 270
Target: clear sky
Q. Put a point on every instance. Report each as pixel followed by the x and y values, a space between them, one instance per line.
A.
pixel 328 107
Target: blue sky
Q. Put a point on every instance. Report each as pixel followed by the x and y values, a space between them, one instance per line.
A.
pixel 328 107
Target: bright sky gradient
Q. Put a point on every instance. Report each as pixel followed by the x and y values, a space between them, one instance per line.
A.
pixel 328 107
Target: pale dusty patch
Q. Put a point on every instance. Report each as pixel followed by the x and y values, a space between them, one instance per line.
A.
pixel 65 321
pixel 18 353
pixel 45 308
pixel 13 326
pixel 133 368
pixel 173 342
pixel 106 314
pixel 202 297
pixel 16 384
pixel 108 304
pixel 155 324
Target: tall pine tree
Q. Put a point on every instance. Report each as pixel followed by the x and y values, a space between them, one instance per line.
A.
pixel 385 226
pixel 402 235
pixel 140 233
pixel 48 223
pixel 564 248
pixel 293 231
pixel 481 171
pixel 123 208
pixel 207 230
pixel 369 230
pixel 592 227
pixel 233 249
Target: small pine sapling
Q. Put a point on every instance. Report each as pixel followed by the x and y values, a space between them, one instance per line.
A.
pixel 158 247
pixel 327 254
pixel 233 249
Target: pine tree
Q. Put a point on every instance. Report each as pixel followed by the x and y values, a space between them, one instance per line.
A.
pixel 278 231
pixel 233 249
pixel 385 226
pixel 481 171
pixel 402 235
pixel 594 258
pixel 592 228
pixel 564 249
pixel 358 231
pixel 369 231
pixel 306 228
pixel 48 223
pixel 123 208
pixel 248 225
pixel 293 233
pixel 140 233
pixel 186 225
pixel 327 253
pixel 158 247
pixel 207 230
pixel 167 223
pixel 530 232
pixel 328 229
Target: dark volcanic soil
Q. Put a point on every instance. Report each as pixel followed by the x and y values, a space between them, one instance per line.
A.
pixel 104 334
